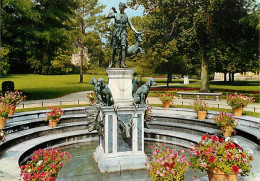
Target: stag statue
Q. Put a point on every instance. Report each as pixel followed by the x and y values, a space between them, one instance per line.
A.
pixel 125 128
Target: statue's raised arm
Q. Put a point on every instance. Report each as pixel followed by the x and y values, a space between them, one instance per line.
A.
pixel 132 27
pixel 109 14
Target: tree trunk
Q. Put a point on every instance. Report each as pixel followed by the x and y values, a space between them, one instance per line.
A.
pixel 230 78
pixel 169 76
pixel 225 77
pixel 81 63
pixel 141 81
pixel 204 84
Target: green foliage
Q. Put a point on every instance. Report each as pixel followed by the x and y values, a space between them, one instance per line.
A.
pixel 62 62
pixel 198 31
pixel 34 31
pixel 4 63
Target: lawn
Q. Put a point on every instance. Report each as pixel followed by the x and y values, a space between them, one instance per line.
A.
pixel 53 86
pixel 49 86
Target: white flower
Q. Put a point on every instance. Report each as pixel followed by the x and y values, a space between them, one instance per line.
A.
pixel 39 163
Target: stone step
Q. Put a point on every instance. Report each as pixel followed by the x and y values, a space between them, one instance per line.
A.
pixel 187 128
pixel 167 142
pixel 37 122
pixel 169 135
pixel 42 113
pixel 18 153
pixel 24 135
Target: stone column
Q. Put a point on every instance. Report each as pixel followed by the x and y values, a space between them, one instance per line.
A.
pixel 120 84
pixel 186 79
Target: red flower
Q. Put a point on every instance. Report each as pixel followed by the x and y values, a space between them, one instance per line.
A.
pixel 211 159
pixel 235 168
pixel 204 137
pixel 215 138
pixel 221 140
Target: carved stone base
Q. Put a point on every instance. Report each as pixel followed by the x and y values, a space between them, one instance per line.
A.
pixel 118 163
pixel 120 84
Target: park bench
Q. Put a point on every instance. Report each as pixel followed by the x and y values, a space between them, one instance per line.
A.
pixel 199 94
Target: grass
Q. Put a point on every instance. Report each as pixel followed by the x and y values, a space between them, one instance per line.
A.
pixel 52 86
pixel 49 86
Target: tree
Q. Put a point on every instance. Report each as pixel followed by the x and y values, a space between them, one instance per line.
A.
pixel 199 28
pixel 88 19
pixel 34 31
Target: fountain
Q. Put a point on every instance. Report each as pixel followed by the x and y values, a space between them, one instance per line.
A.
pixel 121 147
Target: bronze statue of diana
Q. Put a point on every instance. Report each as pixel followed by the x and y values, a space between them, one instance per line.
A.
pixel 119 35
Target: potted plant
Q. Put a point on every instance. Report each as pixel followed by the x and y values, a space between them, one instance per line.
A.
pixel 166 99
pixel 92 97
pixel 167 164
pixel 201 108
pixel 54 116
pixel 4 111
pixel 238 102
pixel 226 122
pixel 44 164
pixel 2 135
pixel 12 99
pixel 223 160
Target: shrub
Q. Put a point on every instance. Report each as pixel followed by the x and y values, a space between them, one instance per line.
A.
pixel 224 119
pixel 238 100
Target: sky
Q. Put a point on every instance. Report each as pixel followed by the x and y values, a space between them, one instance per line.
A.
pixel 114 3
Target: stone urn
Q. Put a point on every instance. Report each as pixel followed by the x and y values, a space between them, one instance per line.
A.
pixel 53 123
pixel 166 104
pixel 215 174
pixel 227 131
pixel 201 115
pixel 238 111
pixel 2 122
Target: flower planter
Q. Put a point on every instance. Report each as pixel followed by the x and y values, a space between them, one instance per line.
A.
pixel 238 111
pixel 53 124
pixel 227 131
pixel 201 115
pixel 166 104
pixel 12 110
pixel 93 101
pixel 2 122
pixel 217 175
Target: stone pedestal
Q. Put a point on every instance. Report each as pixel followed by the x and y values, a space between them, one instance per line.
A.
pixel 120 84
pixel 116 152
pixel 186 80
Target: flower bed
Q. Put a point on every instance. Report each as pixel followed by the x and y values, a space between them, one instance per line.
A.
pixel 167 164
pixel 44 165
pixel 215 152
